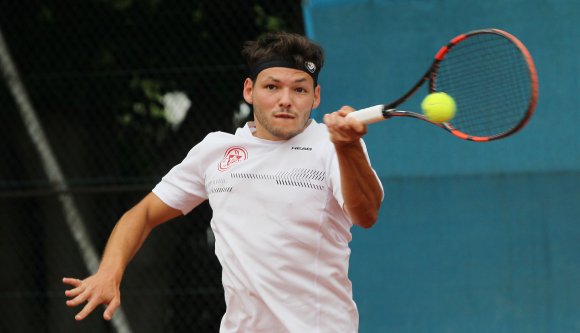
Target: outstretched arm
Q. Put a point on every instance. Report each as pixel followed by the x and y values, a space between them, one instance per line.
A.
pixel 360 188
pixel 127 237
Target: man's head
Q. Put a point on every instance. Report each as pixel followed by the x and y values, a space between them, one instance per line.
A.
pixel 282 83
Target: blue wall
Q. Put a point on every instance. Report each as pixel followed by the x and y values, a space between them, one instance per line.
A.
pixel 472 237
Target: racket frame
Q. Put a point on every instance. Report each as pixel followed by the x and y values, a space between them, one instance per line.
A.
pixel 385 111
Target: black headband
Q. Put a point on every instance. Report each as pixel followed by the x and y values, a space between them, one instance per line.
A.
pixel 308 67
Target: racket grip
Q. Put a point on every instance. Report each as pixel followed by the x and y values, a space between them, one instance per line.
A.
pixel 368 115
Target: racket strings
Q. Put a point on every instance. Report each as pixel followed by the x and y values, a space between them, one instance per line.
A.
pixel 487 102
pixel 489 79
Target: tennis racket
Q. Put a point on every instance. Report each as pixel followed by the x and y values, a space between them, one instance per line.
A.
pixel 492 78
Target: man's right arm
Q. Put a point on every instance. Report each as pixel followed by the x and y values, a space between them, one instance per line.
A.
pixel 125 240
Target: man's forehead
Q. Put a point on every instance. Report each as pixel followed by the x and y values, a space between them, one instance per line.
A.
pixel 284 73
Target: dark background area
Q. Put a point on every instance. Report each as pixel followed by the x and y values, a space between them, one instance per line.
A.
pixel 97 74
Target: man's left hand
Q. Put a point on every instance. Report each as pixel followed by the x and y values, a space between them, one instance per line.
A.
pixel 344 131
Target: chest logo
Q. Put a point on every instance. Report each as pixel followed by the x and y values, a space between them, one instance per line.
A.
pixel 232 156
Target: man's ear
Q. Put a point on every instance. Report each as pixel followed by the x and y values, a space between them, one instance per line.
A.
pixel 316 97
pixel 248 89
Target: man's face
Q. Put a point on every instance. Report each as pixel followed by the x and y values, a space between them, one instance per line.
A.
pixel 283 99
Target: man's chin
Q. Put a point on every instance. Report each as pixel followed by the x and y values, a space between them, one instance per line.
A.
pixel 285 134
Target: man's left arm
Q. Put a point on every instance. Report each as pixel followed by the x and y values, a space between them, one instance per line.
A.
pixel 361 189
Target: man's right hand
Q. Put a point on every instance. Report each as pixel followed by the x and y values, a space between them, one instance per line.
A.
pixel 126 238
pixel 94 290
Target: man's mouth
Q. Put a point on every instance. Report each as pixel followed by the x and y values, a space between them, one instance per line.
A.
pixel 284 115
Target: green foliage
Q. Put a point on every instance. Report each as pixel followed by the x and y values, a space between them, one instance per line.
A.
pixel 267 22
pixel 107 64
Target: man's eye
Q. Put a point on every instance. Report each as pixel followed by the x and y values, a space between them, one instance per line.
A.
pixel 270 87
pixel 301 90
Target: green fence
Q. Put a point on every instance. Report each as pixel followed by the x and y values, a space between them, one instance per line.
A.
pixel 99 99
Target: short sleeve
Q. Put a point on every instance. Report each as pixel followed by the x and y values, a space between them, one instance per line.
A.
pixel 183 187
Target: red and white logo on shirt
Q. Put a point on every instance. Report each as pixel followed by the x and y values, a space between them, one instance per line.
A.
pixel 232 156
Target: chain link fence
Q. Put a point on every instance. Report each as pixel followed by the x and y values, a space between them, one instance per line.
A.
pixel 98 100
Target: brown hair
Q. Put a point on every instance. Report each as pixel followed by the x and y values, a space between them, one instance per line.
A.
pixel 285 50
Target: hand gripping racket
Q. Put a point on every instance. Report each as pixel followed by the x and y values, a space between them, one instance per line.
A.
pixel 490 75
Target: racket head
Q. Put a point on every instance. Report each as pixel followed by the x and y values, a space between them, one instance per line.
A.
pixel 492 78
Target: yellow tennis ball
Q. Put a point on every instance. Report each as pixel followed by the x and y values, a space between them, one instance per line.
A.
pixel 438 107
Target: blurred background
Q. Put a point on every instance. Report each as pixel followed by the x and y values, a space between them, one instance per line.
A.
pixel 108 96
pixel 100 98
pixel 472 237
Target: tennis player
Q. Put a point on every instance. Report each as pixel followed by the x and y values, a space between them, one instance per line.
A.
pixel 285 192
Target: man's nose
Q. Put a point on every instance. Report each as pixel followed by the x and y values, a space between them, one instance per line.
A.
pixel 285 98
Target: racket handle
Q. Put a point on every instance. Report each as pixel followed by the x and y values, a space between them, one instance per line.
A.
pixel 368 115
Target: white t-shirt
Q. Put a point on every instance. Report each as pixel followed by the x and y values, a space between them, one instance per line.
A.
pixel 281 234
